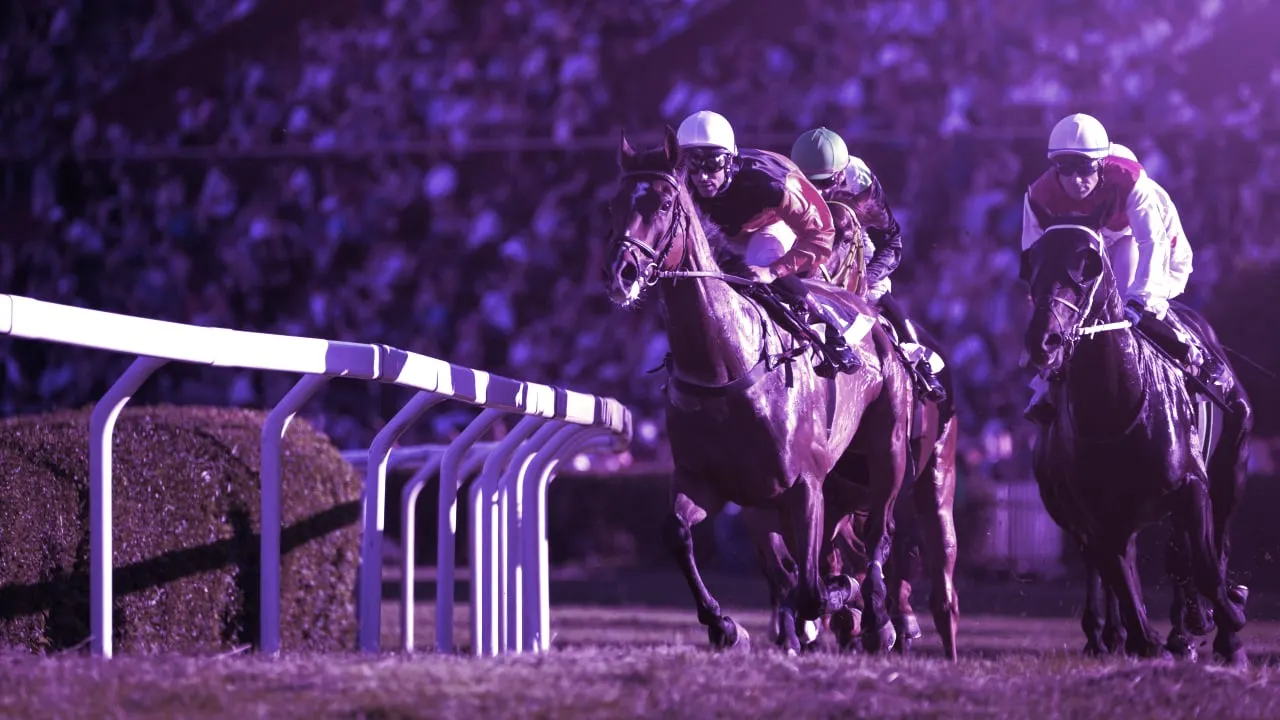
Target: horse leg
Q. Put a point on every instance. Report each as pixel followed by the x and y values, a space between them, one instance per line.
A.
pixel 935 492
pixel 846 552
pixel 903 558
pixel 888 464
pixel 1196 518
pixel 1187 615
pixel 1091 618
pixel 1228 472
pixel 1114 634
pixel 686 512
pixel 1117 562
pixel 781 575
pixel 805 507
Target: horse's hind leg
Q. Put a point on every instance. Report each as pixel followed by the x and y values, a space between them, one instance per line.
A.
pixel 935 492
pixel 686 512
pixel 1195 517
pixel 904 559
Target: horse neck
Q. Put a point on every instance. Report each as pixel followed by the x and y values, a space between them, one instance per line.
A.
pixel 1105 382
pixel 713 332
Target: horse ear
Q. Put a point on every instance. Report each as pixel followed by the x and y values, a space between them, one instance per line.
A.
pixel 671 146
pixel 625 152
pixel 1024 269
pixel 1090 266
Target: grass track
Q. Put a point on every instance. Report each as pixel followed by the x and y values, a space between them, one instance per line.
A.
pixel 623 662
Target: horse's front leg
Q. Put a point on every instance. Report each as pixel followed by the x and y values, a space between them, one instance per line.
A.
pixel 693 503
pixel 804 507
pixel 780 574
pixel 888 464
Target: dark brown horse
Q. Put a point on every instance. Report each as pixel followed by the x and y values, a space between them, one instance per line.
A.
pixel 748 421
pixel 1124 449
pixel 925 534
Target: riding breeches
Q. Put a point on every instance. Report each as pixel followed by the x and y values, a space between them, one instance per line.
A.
pixel 769 243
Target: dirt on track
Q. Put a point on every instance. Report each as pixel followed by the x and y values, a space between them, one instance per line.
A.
pixel 623 662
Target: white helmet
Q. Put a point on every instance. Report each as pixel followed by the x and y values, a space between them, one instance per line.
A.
pixel 1118 150
pixel 1079 134
pixel 706 129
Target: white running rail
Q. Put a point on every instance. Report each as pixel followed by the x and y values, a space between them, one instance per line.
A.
pixel 546 408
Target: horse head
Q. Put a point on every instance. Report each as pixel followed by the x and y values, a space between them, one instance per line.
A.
pixel 648 212
pixel 1071 283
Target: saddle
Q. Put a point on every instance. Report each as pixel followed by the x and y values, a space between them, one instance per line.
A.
pixel 793 316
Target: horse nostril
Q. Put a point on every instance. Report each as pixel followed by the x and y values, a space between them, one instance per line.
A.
pixel 628 274
pixel 1052 341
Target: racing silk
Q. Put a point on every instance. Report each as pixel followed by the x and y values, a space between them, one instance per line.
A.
pixel 1128 203
pixel 767 188
pixel 860 190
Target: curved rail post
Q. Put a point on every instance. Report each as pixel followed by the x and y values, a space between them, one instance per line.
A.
pixel 369 597
pixel 485 608
pixel 447 517
pixel 102 425
pixel 534 534
pixel 513 483
pixel 273 431
pixel 409 530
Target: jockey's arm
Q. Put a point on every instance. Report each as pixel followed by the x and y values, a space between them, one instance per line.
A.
pixel 885 234
pixel 806 213
pixel 1146 223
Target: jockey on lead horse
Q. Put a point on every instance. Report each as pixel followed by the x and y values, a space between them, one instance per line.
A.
pixel 758 198
pixel 1140 226
pixel 862 215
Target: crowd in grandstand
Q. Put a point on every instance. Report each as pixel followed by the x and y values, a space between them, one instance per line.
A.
pixel 492 258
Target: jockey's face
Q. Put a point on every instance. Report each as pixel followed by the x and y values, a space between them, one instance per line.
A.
pixel 1077 174
pixel 709 171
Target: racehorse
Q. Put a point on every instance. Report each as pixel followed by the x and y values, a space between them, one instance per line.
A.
pixel 748 421
pixel 925 528
pixel 1126 446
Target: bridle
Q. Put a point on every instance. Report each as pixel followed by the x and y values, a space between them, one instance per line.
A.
pixel 653 273
pixel 657 256
pixel 1077 330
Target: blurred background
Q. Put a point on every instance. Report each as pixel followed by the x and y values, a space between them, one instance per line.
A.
pixel 431 175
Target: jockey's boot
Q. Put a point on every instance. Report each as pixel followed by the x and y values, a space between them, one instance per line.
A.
pixel 889 308
pixel 839 356
pixel 933 390
pixel 1208 373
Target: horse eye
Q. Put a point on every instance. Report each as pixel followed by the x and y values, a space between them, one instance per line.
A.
pixel 666 205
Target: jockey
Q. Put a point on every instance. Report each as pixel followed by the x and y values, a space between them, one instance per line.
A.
pixel 759 199
pixel 855 197
pixel 1141 228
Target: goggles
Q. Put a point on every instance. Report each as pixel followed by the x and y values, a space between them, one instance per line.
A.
pixel 1076 166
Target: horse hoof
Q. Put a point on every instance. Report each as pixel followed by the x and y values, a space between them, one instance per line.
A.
pixel 1239 595
pixel 728 635
pixel 1236 659
pixel 882 639
pixel 1181 648
pixel 908 626
pixel 808 632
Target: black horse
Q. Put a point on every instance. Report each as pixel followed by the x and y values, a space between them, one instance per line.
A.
pixel 1127 446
